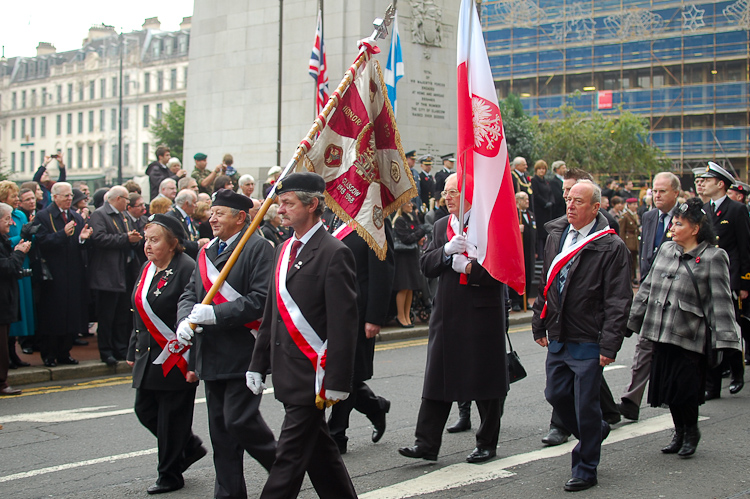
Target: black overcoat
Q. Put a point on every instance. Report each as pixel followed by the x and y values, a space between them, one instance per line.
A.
pixel 64 299
pixel 111 249
pixel 466 358
pixel 11 263
pixel 732 228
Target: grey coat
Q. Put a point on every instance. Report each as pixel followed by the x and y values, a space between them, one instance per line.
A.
pixel 112 249
pixel 667 310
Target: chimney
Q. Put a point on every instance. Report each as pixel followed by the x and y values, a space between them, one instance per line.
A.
pixel 186 22
pixel 98 31
pixel 45 48
pixel 152 23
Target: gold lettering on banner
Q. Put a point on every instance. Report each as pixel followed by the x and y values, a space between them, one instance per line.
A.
pixel 349 113
pixel 348 190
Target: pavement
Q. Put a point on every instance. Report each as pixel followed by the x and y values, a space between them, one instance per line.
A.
pixel 91 366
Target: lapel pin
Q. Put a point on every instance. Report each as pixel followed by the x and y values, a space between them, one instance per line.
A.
pixel 298 265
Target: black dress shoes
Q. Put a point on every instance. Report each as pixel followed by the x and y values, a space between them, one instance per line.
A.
pixel 676 444
pixel 67 360
pixel 555 437
pixel 27 350
pixel 576 484
pixel 193 456
pixel 159 488
pixel 416 453
pixel 480 455
pixel 736 386
pixel 50 363
pixel 9 390
pixel 80 343
pixel 690 441
pixel 710 395
pixel 110 361
pixel 628 410
pixel 378 422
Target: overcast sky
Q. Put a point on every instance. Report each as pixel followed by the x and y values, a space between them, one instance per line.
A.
pixel 66 23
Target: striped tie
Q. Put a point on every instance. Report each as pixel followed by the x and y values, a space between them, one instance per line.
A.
pixel 564 271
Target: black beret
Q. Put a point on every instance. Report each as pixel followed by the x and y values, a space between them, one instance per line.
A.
pixel 302 181
pixel 410 154
pixel 230 199
pixel 78 196
pixel 170 223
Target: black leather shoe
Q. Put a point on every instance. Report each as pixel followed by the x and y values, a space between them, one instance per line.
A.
pixel 628 410
pixel 9 390
pixel 606 428
pixel 67 360
pixel 194 456
pixel 50 363
pixel 690 441
pixel 713 395
pixel 516 308
pixel 736 386
pixel 576 484
pixel 676 444
pixel 480 455
pixel 612 418
pixel 416 453
pixel 555 437
pixel 27 350
pixel 110 361
pixel 159 488
pixel 80 343
pixel 378 422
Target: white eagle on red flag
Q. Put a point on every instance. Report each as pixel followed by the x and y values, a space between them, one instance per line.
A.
pixel 359 155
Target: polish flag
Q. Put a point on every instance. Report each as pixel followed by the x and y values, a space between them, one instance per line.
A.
pixel 483 158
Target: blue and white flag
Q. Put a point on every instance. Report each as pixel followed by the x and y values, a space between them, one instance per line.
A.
pixel 394 69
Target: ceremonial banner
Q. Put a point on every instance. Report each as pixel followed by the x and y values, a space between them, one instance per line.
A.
pixel 319 67
pixel 483 158
pixel 394 69
pixel 359 156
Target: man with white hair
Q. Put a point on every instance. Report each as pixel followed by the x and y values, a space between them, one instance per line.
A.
pixel 521 182
pixel 187 183
pixel 183 209
pixel 168 189
pixel 247 185
pixel 114 239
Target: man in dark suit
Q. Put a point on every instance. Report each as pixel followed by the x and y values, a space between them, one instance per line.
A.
pixel 426 183
pixel 731 224
pixel 521 181
pixel 311 315
pixel 528 235
pixel 224 347
pixel 158 171
pixel 115 242
pixel 559 168
pixel 595 275
pixel 61 238
pixel 468 312
pixel 374 283
pixel 449 162
pixel 655 227
pixel 183 209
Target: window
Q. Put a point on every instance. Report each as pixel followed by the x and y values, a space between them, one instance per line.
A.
pixel 173 79
pixel 145 116
pixel 91 157
pixel 59 94
pixel 41 153
pixel 101 155
pixel 70 92
pixel 23 161
pixel 158 112
pixel 114 155
pixel 13 162
pixel 159 81
pixel 33 97
pixel 70 124
pixel 126 154
pixel 23 99
pixel 44 96
pixel 80 92
pixel 145 153
pixel 32 124
pixel 183 43
pixel 101 120
pixel 80 123
pixel 103 88
pixel 31 160
pixel 13 130
pixel 113 123
pixel 91 121
pixel 70 156
pixel 125 118
pixel 126 85
pixel 79 157
pixel 157 48
pixel 114 86
pixel 146 83
pixel 185 76
pixel 58 125
pixel 92 89
pixel 14 101
pixel 43 127
pixel 23 128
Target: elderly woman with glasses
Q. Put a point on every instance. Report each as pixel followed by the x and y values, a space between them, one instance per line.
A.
pixel 685 307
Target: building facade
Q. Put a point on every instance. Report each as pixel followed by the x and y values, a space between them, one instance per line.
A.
pixel 684 65
pixel 69 102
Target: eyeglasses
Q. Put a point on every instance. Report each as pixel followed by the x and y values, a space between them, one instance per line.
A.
pixel 452 193
pixel 124 197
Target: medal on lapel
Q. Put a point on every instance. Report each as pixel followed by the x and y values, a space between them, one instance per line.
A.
pixel 162 282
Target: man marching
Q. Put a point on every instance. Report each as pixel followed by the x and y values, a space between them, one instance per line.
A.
pixel 224 348
pixel 308 338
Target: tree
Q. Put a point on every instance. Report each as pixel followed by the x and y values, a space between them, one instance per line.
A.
pixel 522 133
pixel 170 130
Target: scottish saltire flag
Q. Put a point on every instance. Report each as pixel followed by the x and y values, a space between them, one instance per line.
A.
pixel 319 67
pixel 394 68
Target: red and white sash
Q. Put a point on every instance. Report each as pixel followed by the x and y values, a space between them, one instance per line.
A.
pixel 567 255
pixel 451 230
pixel 209 274
pixel 302 333
pixel 343 231
pixel 173 353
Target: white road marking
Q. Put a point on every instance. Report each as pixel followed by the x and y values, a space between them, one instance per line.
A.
pixel 462 474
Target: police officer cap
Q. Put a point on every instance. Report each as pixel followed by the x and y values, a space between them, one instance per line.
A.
pixel 411 154
pixel 715 171
pixel 740 187
pixel 448 157
pixel 199 156
pixel 302 181
pixel 426 159
pixel 170 223
pixel 698 172
pixel 230 199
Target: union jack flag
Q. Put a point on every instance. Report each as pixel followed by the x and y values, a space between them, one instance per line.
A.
pixel 319 67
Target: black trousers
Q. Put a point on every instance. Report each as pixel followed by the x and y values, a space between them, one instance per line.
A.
pixel 362 399
pixel 4 359
pixel 235 425
pixel 168 415
pixel 113 312
pixel 433 414
pixel 55 346
pixel 732 360
pixel 306 446
pixel 606 402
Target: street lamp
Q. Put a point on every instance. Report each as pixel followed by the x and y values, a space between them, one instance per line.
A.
pixel 119 121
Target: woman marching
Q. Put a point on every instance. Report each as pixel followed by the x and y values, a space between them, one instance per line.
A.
pixel 685 307
pixel 165 388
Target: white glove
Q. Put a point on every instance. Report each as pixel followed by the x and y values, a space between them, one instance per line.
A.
pixel 202 314
pixel 254 382
pixel 184 333
pixel 335 396
pixel 455 246
pixel 459 263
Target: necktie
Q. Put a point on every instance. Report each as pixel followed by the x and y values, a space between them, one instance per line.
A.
pixel 222 247
pixel 293 254
pixel 64 217
pixel 191 229
pixel 660 230
pixel 564 271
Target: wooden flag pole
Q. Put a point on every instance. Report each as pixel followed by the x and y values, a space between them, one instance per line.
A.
pixel 381 30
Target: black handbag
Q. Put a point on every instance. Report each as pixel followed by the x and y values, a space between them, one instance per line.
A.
pixel 515 369
pixel 713 356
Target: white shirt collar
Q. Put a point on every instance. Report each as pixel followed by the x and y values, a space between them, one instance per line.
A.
pixel 585 230
pixel 231 239
pixel 718 202
pixel 182 212
pixel 116 210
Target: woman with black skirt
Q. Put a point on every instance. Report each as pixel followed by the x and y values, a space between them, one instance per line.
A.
pixel 410 236
pixel 686 290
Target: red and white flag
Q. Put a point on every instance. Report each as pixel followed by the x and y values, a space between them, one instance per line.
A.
pixel 483 158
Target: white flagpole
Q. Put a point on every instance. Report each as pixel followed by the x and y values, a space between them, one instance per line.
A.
pixel 468 79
